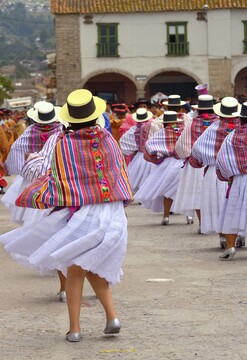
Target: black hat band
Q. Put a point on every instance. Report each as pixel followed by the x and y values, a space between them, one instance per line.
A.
pixel 175 101
pixel 170 117
pixel 228 110
pixel 47 116
pixel 81 112
pixel 243 111
pixel 141 116
pixel 205 104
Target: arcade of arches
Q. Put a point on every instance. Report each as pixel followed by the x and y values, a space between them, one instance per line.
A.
pixel 119 88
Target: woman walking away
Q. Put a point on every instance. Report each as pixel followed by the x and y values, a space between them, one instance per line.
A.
pixel 85 235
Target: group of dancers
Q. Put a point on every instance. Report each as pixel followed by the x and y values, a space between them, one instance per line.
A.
pixel 193 164
pixel 72 185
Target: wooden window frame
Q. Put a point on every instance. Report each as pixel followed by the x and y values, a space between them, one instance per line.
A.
pixel 105 50
pixel 176 48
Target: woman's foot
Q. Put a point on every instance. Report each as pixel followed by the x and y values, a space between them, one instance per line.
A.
pixel 112 327
pixel 165 221
pixel 228 254
pixel 73 336
pixel 62 296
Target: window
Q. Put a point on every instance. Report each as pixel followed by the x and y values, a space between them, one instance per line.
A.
pixel 107 40
pixel 245 37
pixel 177 39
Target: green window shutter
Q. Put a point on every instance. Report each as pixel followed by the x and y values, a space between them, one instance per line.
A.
pixel 107 45
pixel 177 44
pixel 245 37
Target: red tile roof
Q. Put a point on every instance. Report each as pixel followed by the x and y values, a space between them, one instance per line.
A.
pixel 132 6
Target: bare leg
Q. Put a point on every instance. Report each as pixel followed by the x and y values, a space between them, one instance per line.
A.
pixel 230 240
pixel 74 286
pixel 198 213
pixel 167 206
pixel 62 279
pixel 102 290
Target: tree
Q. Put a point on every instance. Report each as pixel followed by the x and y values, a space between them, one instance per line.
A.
pixel 6 87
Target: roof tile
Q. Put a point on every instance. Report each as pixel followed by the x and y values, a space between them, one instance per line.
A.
pixel 130 6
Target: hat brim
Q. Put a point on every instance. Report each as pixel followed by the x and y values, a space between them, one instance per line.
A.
pixel 201 108
pixel 149 116
pixel 33 114
pixel 217 111
pixel 180 104
pixel 101 121
pixel 100 108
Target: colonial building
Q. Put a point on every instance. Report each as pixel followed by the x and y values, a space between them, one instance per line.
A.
pixel 125 49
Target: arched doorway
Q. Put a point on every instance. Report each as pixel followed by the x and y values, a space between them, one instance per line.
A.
pixel 240 89
pixel 172 82
pixel 113 87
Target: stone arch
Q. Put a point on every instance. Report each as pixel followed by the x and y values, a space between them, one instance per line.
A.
pixel 239 82
pixel 112 84
pixel 175 69
pixel 108 71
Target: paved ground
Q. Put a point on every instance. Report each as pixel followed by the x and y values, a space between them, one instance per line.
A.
pixel 200 313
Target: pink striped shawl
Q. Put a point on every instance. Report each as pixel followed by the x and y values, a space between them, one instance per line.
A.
pixel 232 157
pixel 32 140
pixel 192 130
pixel 206 147
pixel 163 142
pixel 87 168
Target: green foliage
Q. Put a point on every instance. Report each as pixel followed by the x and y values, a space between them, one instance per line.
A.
pixel 6 87
pixel 24 35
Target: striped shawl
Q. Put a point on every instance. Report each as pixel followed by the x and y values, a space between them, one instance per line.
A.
pixel 192 130
pixel 32 140
pixel 207 146
pixel 232 157
pixel 162 144
pixel 87 168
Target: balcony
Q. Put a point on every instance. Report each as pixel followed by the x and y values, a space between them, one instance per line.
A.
pixel 107 50
pixel 177 49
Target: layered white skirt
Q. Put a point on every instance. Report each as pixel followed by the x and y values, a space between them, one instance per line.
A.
pixel 138 170
pixel 188 197
pixel 95 238
pixel 17 214
pixel 162 182
pixel 212 198
pixel 233 214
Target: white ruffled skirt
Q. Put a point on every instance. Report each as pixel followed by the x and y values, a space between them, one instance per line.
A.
pixel 95 238
pixel 162 182
pixel 188 197
pixel 138 170
pixel 17 214
pixel 233 214
pixel 212 198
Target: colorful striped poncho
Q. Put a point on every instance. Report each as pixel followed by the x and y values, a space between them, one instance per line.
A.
pixel 232 157
pixel 38 163
pixel 162 144
pixel 87 167
pixel 192 130
pixel 207 146
pixel 32 140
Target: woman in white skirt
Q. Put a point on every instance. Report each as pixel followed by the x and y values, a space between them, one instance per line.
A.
pixel 85 233
pixel 231 165
pixel 32 140
pixel 188 197
pixel 203 154
pixel 133 143
pixel 159 190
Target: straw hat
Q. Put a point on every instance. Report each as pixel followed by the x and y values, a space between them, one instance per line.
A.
pixel 170 117
pixel 82 107
pixel 243 112
pixel 142 114
pixel 44 112
pixel 227 107
pixel 174 100
pixel 205 102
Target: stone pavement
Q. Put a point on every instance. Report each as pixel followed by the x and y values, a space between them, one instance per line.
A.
pixel 197 311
